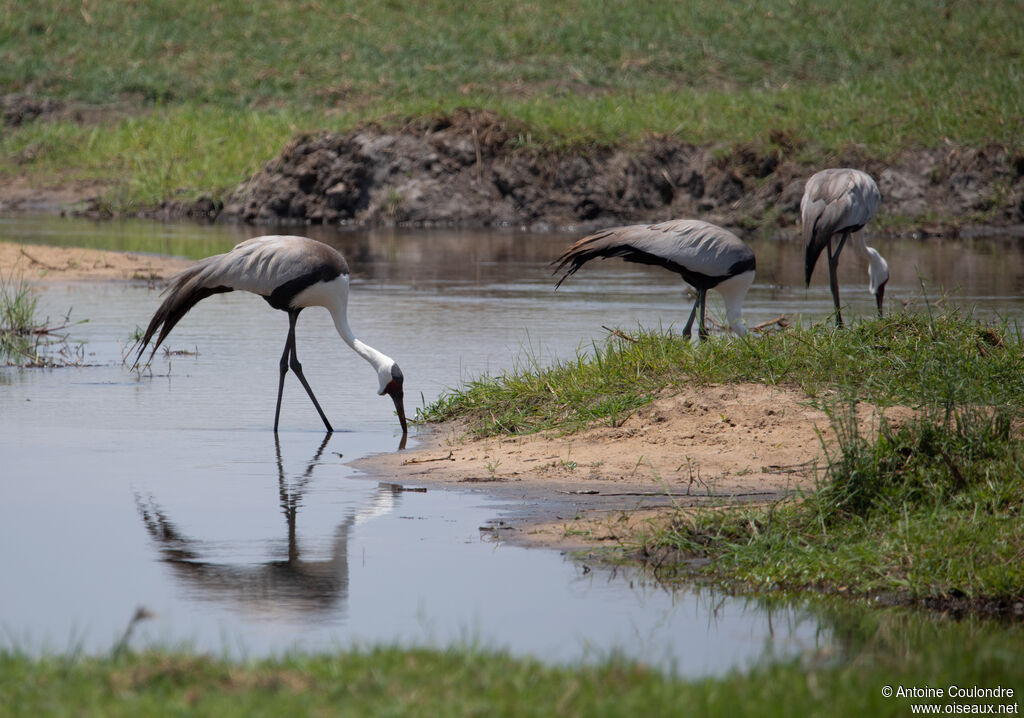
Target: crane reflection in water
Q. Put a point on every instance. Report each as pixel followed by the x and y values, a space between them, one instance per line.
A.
pixel 293 581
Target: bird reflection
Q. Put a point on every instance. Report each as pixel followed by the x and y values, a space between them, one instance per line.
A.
pixel 290 583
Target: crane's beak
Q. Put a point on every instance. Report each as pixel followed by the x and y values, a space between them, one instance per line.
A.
pixel 879 295
pixel 394 390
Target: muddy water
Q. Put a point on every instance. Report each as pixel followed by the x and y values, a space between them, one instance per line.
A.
pixel 169 491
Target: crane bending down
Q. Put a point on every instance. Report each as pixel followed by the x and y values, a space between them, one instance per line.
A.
pixel 841 201
pixel 704 255
pixel 290 273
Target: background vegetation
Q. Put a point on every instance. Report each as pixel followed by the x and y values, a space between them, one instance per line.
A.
pixel 182 97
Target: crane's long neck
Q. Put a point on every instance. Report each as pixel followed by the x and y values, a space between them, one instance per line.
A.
pixel 339 312
pixel 378 360
pixel 733 290
pixel 334 296
pixel 878 268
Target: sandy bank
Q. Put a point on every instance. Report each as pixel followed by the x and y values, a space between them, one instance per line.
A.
pixel 42 263
pixel 702 446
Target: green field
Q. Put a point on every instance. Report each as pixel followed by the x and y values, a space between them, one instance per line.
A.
pixel 184 98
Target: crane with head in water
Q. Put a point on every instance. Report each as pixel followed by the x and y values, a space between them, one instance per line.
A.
pixel 291 274
pixel 840 202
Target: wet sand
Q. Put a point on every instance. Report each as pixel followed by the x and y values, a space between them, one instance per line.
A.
pixel 701 446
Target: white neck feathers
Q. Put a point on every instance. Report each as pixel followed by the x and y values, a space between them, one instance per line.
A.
pixel 333 296
pixel 733 291
pixel 878 268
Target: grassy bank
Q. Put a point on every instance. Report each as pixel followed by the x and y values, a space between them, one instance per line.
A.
pixel 875 652
pixel 913 359
pixel 923 511
pixel 223 85
pixel 926 513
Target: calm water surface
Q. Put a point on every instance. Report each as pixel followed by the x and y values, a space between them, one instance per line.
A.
pixel 169 491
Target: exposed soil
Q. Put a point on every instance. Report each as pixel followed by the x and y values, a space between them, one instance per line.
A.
pixel 17 194
pixel 471 169
pixel 17 109
pixel 43 263
pixel 710 445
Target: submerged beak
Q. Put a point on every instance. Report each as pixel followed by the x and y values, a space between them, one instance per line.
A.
pixel 394 390
pixel 879 295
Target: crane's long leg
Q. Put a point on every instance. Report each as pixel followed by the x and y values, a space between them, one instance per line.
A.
pixel 297 368
pixel 689 322
pixel 284 370
pixel 702 297
pixel 833 279
pixel 288 359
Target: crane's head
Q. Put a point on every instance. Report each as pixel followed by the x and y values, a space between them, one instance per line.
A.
pixel 391 383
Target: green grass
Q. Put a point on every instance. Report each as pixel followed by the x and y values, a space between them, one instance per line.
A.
pixel 875 650
pixel 27 340
pixel 216 88
pixel 173 152
pixel 17 320
pixel 902 359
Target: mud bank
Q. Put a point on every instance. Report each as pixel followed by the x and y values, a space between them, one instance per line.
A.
pixel 474 169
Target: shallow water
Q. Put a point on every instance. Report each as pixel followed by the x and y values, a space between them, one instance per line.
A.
pixel 169 491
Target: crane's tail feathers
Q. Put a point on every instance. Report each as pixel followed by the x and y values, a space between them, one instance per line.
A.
pixel 602 244
pixel 568 273
pixel 811 253
pixel 183 293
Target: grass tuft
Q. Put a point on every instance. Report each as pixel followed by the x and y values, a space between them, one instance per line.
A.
pixel 17 319
pixel 26 340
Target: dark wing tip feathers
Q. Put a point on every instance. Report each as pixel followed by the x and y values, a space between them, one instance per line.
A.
pixel 811 253
pixel 581 252
pixel 561 262
pixel 182 295
pixel 569 255
pixel 813 242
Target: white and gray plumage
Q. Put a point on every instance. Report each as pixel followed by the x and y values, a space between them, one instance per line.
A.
pixel 841 201
pixel 704 255
pixel 290 273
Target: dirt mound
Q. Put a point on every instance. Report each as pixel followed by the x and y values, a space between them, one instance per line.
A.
pixel 476 169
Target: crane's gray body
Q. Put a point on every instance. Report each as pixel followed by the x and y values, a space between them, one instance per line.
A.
pixel 701 253
pixel 704 255
pixel 835 201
